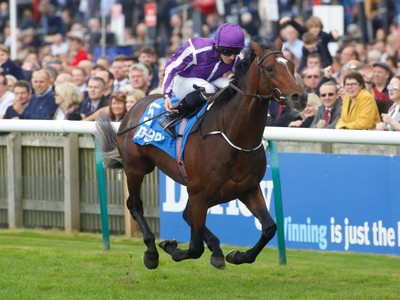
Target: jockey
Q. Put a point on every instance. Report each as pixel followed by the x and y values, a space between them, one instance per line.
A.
pixel 204 62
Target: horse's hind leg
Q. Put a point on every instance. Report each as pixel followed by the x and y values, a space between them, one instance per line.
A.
pixel 217 257
pixel 256 204
pixel 135 207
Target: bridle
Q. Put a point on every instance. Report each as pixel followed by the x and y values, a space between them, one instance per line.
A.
pixel 276 93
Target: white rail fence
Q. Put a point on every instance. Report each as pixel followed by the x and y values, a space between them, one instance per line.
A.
pixel 271 133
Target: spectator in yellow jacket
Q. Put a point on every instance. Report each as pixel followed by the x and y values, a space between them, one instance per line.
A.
pixel 359 109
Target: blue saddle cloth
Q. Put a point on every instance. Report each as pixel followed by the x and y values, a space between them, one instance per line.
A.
pixel 151 133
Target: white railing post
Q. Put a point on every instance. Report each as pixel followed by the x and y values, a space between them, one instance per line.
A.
pixel 14 177
pixel 71 184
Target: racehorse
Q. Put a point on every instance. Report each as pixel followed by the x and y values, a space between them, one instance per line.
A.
pixel 224 158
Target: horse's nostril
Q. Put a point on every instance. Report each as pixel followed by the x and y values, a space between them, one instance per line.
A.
pixel 296 97
pixel 299 100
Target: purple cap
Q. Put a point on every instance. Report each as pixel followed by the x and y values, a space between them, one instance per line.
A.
pixel 229 35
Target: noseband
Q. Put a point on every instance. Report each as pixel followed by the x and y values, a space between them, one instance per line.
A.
pixel 276 93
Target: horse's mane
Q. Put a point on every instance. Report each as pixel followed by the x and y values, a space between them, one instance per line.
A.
pixel 241 71
pixel 242 68
pixel 244 65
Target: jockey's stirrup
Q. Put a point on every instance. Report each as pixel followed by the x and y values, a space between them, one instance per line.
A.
pixel 185 108
pixel 167 122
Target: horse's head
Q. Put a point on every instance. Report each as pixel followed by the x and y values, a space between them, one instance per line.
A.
pixel 276 76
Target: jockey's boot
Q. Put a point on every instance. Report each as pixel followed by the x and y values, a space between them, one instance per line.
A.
pixel 185 108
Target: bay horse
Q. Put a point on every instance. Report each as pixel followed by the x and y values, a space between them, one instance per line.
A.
pixel 224 158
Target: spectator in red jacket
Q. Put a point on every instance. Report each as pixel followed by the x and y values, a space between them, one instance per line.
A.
pixel 78 51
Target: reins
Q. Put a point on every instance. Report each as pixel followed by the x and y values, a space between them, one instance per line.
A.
pixel 133 127
pixel 250 95
pixel 276 95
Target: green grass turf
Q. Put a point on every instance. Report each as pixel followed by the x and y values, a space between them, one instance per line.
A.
pixel 54 265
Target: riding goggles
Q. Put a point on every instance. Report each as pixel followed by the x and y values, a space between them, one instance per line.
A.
pixel 228 51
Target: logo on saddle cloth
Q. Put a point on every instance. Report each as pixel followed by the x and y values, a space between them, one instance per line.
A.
pixel 151 133
pixel 148 134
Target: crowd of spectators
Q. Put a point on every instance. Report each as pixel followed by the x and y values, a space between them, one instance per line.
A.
pixel 353 84
pixel 57 76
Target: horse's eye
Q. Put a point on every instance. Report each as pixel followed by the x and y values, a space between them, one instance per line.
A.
pixel 269 69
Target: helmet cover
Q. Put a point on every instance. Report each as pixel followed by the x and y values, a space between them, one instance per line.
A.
pixel 229 35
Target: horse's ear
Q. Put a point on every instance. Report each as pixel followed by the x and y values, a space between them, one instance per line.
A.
pixel 278 44
pixel 257 48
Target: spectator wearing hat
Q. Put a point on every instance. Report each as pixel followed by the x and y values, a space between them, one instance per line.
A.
pixel 381 76
pixel 377 75
pixel 291 40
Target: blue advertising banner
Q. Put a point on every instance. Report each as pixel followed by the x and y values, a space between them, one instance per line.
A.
pixel 331 202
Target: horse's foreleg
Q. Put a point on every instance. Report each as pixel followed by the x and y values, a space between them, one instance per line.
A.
pixel 256 204
pixel 217 257
pixel 196 218
pixel 135 207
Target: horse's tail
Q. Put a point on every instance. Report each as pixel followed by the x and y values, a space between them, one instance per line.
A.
pixel 107 141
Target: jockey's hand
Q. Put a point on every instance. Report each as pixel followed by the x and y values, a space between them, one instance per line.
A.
pixel 168 105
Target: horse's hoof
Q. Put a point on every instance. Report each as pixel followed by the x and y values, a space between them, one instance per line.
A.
pixel 237 258
pixel 218 262
pixel 168 246
pixel 150 260
pixel 232 257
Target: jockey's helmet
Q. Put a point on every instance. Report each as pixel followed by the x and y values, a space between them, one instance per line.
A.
pixel 229 39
